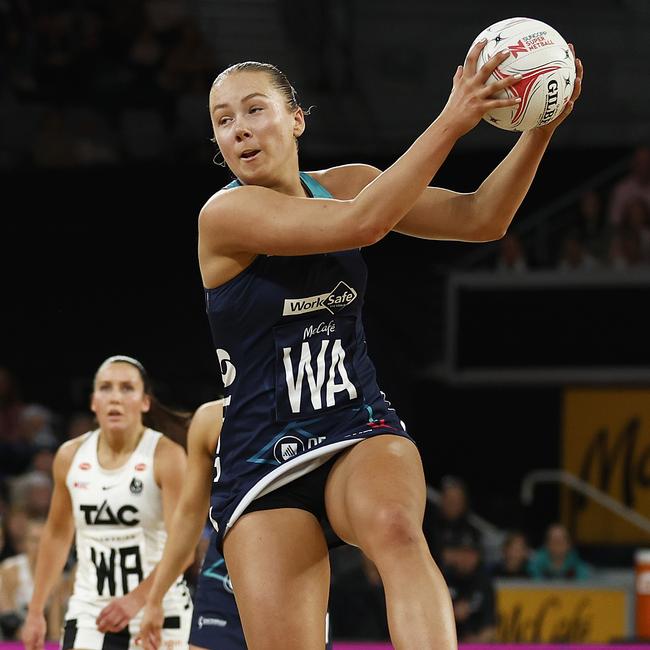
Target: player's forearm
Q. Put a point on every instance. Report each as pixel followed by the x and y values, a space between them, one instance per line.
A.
pixel 498 198
pixel 52 555
pixel 385 201
pixel 141 592
pixel 185 532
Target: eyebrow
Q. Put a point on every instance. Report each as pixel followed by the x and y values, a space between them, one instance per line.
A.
pixel 244 99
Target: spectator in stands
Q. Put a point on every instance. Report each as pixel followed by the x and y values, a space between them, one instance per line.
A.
pixel 43 458
pixel 589 224
pixel 357 603
pixel 512 257
pixel 79 423
pixel 636 218
pixel 32 493
pixel 515 556
pixel 36 426
pixel 635 185
pixel 17 584
pixel 446 523
pixel 575 257
pixel 625 252
pixel 15 530
pixel 558 559
pixel 22 425
pixel 471 589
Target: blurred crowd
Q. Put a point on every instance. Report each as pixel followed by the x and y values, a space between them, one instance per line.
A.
pixel 101 83
pixel 606 229
pixel 31 433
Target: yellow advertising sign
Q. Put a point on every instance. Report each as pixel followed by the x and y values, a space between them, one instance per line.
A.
pixel 606 442
pixel 560 615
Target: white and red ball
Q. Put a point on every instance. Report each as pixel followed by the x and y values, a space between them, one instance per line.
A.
pixel 542 56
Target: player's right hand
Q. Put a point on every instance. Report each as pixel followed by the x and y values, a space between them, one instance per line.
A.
pixel 33 631
pixel 150 635
pixel 471 96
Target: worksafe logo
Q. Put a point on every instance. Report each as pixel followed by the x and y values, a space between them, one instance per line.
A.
pixel 340 297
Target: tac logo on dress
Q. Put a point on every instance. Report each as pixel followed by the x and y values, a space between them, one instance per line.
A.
pixel 287 448
pixel 338 298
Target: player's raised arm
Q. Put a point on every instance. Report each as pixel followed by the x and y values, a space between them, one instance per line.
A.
pixel 485 214
pixel 277 219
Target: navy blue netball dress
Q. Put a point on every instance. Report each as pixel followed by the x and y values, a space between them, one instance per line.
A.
pixel 299 385
pixel 215 621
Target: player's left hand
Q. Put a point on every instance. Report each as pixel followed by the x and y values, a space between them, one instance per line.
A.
pixel 117 614
pixel 149 637
pixel 577 88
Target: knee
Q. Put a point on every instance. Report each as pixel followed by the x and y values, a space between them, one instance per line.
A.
pixel 390 527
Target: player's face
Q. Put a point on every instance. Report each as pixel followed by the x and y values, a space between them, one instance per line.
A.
pixel 254 126
pixel 119 399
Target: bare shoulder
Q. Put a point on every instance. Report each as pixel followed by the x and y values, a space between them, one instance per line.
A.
pixel 207 413
pixel 346 181
pixel 64 456
pixel 206 426
pixel 168 451
pixel 225 200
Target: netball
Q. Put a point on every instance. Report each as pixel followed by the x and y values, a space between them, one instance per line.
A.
pixel 545 61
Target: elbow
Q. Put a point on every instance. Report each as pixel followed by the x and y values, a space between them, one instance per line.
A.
pixel 369 229
pixel 495 234
pixel 370 234
pixel 492 230
pixel 366 223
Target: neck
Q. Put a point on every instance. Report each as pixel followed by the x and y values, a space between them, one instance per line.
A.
pixel 289 182
pixel 121 442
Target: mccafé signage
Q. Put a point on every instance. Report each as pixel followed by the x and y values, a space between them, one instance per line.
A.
pixel 606 442
pixel 560 615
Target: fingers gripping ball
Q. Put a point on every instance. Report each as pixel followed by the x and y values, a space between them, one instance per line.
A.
pixel 546 63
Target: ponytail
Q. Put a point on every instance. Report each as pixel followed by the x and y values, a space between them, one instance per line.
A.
pixel 173 423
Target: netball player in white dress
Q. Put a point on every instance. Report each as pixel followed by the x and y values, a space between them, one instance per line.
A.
pixel 115 491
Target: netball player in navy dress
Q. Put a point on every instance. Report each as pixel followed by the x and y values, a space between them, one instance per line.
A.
pixel 307 432
pixel 215 621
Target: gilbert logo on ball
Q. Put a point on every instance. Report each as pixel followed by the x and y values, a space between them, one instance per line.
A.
pixel 543 58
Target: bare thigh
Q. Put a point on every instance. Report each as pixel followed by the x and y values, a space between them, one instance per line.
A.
pixel 376 490
pixel 279 567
